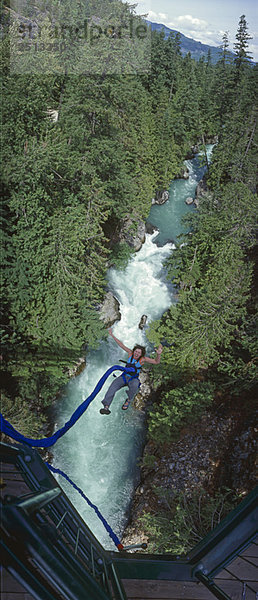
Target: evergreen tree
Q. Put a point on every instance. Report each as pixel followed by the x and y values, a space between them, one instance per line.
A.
pixel 241 47
pixel 223 84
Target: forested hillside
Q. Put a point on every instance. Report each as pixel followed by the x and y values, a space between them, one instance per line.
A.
pixel 83 149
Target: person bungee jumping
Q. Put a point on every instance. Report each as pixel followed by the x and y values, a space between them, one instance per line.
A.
pixel 136 358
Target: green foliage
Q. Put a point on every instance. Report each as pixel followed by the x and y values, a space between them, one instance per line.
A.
pixel 148 462
pixel 185 520
pixel 35 373
pixel 177 408
pixel 18 412
pixel 214 280
pixel 121 253
pixel 238 366
pixel 235 156
pixel 81 38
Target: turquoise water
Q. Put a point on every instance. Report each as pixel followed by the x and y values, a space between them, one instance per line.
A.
pixel 167 217
pixel 101 453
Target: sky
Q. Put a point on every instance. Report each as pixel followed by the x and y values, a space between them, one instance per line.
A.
pixel 205 20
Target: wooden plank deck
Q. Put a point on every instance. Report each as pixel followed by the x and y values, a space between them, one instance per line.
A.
pixel 12 482
pixel 163 590
pixel 243 568
pixel 11 589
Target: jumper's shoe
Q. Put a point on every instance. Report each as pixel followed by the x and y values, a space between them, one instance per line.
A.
pixel 126 404
pixel 105 411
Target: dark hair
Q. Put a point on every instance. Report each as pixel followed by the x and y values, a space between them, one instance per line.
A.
pixel 142 348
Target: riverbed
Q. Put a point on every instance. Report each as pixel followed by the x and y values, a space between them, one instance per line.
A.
pixel 101 453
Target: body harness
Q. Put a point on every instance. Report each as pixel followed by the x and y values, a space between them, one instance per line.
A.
pixel 132 363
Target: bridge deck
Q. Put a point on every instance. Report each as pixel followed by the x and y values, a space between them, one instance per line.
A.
pixel 239 580
pixel 245 567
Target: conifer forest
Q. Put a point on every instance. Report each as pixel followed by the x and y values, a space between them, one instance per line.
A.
pixel 96 120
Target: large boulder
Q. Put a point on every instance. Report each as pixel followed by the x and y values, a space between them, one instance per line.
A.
pixel 109 310
pixel 161 197
pixel 201 188
pixel 183 174
pixel 192 152
pixel 200 192
pixel 143 321
pixel 150 228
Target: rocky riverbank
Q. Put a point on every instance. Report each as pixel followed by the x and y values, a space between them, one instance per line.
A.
pixel 219 452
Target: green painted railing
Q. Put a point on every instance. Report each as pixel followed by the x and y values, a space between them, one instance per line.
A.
pixel 65 557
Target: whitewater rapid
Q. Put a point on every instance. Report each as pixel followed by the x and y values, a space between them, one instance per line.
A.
pixel 100 453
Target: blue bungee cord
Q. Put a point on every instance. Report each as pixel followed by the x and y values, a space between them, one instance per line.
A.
pixel 8 429
pixel 110 531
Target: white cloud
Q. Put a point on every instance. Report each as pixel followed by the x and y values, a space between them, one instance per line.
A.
pixel 163 16
pixel 191 22
pixel 253 50
pixel 184 23
pixel 208 37
pixel 198 29
pixel 152 15
pixel 158 17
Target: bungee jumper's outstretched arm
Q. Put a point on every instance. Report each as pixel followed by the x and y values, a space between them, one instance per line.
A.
pixel 153 361
pixel 119 341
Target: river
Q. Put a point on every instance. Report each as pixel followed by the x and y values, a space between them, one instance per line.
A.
pixel 101 453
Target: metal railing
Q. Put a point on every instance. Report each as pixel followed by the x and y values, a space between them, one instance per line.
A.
pixel 44 525
pixel 49 547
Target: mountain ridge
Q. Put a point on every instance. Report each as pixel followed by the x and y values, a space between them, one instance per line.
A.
pixel 197 49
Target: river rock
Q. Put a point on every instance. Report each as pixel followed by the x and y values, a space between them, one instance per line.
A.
pixel 109 310
pixel 192 152
pixel 52 114
pixel 143 321
pixel 150 228
pixel 183 174
pixel 133 235
pixel 145 391
pixel 197 147
pixel 200 192
pixel 166 241
pixel 161 197
pixel 201 189
pixel 134 536
pixel 189 200
pixel 78 368
pixel 212 140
